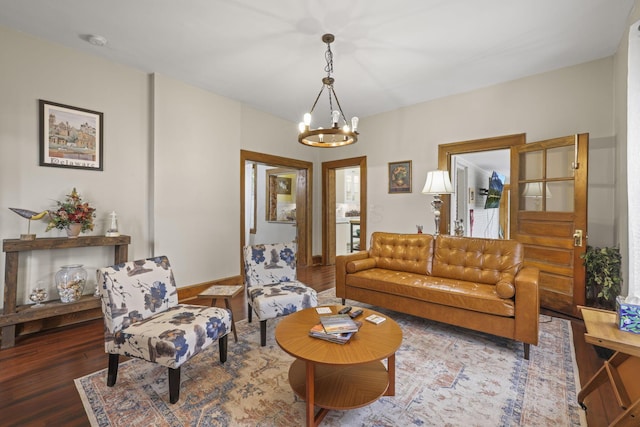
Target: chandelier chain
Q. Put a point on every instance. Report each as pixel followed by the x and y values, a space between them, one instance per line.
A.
pixel 329 69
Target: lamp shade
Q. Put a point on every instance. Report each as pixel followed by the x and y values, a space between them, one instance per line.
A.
pixel 534 189
pixel 438 182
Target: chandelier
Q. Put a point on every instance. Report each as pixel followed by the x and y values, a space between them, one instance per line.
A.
pixel 335 135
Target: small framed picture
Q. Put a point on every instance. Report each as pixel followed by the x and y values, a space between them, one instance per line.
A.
pixel 283 185
pixel 400 177
pixel 70 137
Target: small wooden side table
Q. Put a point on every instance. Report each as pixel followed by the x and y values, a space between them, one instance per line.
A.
pixel 226 293
pixel 621 370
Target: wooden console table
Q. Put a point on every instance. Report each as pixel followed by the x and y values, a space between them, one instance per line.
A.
pixel 14 314
pixel 621 370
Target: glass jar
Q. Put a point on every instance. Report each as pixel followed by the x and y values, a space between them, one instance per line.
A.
pixel 70 281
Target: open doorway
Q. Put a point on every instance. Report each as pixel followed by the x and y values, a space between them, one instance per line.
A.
pixel 471 213
pixel 344 213
pixel 459 155
pixel 276 192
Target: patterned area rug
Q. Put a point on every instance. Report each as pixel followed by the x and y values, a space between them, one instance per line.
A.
pixel 445 376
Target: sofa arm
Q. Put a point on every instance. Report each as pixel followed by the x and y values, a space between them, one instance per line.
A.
pixel 341 270
pixel 527 305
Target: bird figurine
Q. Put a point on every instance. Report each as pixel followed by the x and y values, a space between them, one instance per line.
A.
pixel 28 214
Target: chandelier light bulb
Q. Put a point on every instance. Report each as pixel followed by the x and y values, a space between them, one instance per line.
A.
pixel 307 119
pixel 354 123
pixel 301 126
pixel 335 116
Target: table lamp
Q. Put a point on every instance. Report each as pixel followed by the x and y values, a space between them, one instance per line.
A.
pixel 437 183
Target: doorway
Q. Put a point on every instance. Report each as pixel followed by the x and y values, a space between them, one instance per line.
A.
pixel 354 232
pixel 446 155
pixel 295 179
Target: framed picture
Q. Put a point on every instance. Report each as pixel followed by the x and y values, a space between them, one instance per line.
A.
pixel 70 137
pixel 400 177
pixel 283 185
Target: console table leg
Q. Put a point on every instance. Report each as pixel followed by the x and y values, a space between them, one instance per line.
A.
pixel 8 336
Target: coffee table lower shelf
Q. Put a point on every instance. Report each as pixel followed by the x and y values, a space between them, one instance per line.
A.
pixel 339 387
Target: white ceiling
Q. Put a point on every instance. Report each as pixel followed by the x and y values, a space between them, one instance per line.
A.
pixel 387 54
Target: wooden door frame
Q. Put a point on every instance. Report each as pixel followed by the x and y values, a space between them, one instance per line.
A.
pixel 445 151
pixel 329 205
pixel 304 205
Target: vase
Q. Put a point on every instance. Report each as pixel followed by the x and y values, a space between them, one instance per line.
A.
pixel 70 281
pixel 73 230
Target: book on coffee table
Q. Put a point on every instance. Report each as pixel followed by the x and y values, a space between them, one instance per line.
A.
pixel 318 332
pixel 338 324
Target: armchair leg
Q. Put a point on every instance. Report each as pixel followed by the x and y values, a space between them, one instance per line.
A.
pixel 174 384
pixel 263 333
pixel 222 344
pixel 527 347
pixel 249 313
pixel 112 374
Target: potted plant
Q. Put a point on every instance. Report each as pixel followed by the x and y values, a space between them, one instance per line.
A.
pixel 72 215
pixel 603 275
pixel 603 282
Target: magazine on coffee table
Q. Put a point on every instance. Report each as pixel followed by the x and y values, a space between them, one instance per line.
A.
pixel 338 324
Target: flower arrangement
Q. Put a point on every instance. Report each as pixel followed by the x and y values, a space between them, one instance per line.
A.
pixel 71 211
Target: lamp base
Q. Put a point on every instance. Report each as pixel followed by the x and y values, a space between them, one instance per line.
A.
pixel 436 204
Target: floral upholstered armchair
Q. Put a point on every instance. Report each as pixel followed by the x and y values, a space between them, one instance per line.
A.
pixel 272 287
pixel 143 319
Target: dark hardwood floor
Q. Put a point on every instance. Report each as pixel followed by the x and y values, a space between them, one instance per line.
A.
pixel 36 376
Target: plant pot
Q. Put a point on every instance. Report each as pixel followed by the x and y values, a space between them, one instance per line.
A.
pixel 70 281
pixel 73 230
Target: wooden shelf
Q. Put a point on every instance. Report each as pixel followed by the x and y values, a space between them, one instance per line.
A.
pixel 13 314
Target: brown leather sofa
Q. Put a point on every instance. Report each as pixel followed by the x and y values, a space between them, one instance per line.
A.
pixel 474 283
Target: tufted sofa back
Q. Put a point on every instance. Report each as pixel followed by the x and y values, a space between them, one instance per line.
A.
pixel 402 252
pixel 477 260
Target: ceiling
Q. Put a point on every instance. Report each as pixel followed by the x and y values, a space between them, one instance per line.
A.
pixel 387 54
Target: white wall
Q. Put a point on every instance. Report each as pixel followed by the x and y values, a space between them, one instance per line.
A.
pixel 172 161
pixel 31 70
pixel 621 214
pixel 196 169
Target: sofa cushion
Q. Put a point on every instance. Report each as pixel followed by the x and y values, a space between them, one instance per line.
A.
pixel 505 287
pixel 476 260
pixel 360 264
pixel 450 292
pixel 402 252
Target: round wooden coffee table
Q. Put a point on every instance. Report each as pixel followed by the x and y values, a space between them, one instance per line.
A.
pixel 339 376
